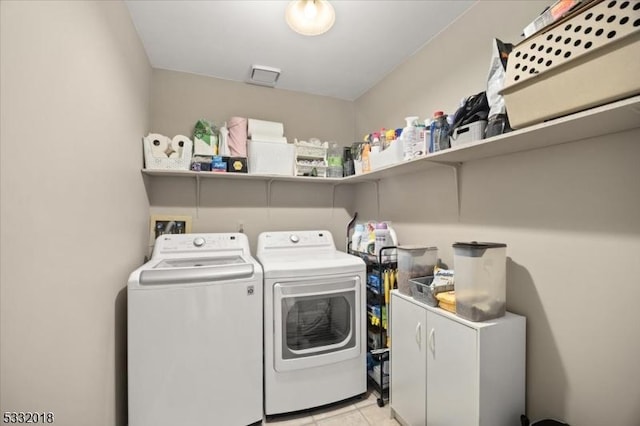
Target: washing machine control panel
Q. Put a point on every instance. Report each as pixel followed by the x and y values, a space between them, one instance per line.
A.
pixel 192 243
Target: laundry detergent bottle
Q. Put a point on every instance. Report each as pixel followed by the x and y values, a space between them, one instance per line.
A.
pixel 383 239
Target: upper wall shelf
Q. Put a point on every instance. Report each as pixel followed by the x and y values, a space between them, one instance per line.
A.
pixel 237 176
pixel 611 118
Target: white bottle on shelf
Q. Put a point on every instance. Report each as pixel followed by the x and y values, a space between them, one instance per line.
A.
pixel 409 137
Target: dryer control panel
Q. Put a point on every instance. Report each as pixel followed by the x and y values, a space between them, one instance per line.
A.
pixel 296 239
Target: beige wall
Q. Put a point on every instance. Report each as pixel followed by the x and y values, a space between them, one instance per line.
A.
pixel 569 214
pixel 180 99
pixel 451 66
pixel 75 101
pixel 256 205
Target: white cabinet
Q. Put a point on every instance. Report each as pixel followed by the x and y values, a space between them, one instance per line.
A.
pixel 408 360
pixel 448 371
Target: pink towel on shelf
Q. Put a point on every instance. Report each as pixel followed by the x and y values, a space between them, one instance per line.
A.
pixel 237 136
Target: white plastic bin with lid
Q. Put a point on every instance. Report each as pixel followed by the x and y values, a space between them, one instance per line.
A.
pixel 270 158
pixel 480 271
pixel 414 261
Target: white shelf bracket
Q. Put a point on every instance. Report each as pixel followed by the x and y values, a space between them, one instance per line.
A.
pixel 268 187
pixel 197 196
pixel 457 170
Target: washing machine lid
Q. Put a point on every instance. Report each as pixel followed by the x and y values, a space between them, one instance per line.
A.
pixel 195 270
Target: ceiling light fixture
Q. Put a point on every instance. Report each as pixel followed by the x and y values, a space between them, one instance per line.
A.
pixel 310 17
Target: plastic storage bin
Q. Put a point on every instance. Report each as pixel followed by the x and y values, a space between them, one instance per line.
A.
pixel 271 158
pixel 481 270
pixel 587 59
pixel 414 262
pixel 424 290
pixel 469 133
pixel 390 156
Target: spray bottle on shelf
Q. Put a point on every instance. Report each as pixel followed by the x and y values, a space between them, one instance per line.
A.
pixel 409 137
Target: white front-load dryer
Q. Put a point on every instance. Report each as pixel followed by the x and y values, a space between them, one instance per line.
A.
pixel 195 333
pixel 314 321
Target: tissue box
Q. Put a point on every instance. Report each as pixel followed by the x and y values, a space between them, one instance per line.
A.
pixel 219 164
pixel 201 163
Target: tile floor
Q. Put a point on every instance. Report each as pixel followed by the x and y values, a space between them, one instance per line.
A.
pixel 353 412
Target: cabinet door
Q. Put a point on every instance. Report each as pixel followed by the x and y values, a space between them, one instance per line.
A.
pixel 408 367
pixel 452 373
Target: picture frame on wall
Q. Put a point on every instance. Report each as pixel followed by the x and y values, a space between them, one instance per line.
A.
pixel 168 224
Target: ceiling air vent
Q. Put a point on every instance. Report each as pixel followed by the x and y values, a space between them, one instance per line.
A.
pixel 263 76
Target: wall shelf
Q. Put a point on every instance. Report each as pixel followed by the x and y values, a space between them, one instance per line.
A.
pixel 239 176
pixel 607 119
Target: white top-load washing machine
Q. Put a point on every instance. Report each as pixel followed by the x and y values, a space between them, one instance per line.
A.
pixel 195 333
pixel 314 321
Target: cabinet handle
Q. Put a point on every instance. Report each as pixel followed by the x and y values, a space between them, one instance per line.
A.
pixel 418 334
pixel 432 341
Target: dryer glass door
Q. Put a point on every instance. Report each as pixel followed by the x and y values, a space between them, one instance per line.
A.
pixel 317 322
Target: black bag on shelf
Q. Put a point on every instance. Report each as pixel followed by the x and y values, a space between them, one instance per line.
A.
pixel 475 108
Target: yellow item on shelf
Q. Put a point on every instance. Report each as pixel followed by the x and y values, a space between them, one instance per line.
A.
pixel 387 280
pixel 390 134
pixel 374 320
pixel 447 301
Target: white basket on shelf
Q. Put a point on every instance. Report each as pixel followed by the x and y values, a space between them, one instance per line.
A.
pixel 309 150
pixel 304 169
pixel 182 147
